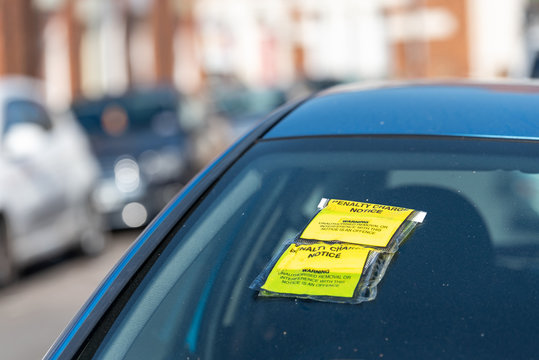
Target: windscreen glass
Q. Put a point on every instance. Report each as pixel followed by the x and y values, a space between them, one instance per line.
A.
pixel 464 285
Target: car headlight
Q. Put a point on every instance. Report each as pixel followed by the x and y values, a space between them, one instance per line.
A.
pixel 127 175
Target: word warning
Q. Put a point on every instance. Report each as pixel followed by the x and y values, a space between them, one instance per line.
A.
pixel 319 269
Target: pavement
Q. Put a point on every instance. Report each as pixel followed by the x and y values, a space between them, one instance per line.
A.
pixel 35 310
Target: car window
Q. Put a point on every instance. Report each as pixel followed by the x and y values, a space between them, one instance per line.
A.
pixel 465 285
pixel 18 112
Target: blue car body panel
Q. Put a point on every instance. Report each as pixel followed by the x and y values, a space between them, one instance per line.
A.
pixel 477 110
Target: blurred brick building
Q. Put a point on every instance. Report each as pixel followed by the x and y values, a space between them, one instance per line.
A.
pixel 19 38
pixel 457 38
pixel 93 47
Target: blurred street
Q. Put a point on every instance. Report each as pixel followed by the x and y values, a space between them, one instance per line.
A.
pixel 36 309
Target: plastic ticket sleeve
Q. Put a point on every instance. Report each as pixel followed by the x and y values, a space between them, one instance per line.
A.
pixel 334 272
pixel 361 223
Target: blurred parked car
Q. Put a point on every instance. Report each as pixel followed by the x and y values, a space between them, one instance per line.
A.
pixel 47 174
pixel 465 285
pixel 242 109
pixel 238 107
pixel 144 153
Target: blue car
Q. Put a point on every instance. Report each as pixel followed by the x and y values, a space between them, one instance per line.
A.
pixel 217 274
pixel 143 150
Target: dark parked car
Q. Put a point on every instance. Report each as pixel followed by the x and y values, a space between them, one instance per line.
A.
pixel 144 152
pixel 465 284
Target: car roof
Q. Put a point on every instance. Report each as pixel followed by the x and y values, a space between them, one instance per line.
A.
pixel 458 108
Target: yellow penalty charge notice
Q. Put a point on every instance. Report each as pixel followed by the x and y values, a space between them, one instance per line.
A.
pixel 356 222
pixel 319 269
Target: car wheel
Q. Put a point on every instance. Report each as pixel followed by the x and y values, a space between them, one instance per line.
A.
pixel 8 270
pixel 93 239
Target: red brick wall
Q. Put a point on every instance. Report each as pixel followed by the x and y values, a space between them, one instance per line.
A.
pixel 19 38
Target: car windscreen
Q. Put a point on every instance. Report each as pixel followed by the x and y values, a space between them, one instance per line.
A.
pixel 464 285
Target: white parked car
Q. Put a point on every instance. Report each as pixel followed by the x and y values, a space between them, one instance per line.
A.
pixel 47 173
